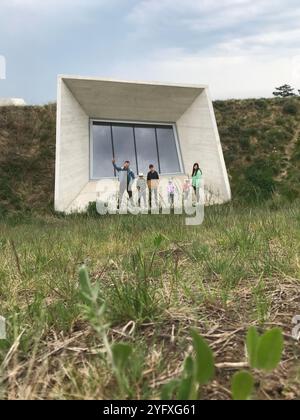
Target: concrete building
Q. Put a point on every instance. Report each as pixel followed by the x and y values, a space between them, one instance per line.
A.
pixel 171 126
pixel 12 102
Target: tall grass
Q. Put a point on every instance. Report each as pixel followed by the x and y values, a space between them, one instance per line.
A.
pixel 157 278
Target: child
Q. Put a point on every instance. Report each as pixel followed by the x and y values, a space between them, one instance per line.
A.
pixel 142 188
pixel 171 193
pixel 186 189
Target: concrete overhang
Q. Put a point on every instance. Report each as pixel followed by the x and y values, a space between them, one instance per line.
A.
pixel 130 100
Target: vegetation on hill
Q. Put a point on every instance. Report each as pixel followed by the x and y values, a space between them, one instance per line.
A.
pixel 27 159
pixel 260 138
pixel 261 143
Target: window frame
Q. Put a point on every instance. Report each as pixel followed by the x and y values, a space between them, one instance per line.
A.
pixel 133 124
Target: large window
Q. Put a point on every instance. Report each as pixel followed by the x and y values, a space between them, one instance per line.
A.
pixel 141 144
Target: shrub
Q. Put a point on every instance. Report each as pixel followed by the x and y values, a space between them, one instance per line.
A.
pixel 276 135
pixel 260 175
pixel 290 108
pixel 261 104
pixel 92 209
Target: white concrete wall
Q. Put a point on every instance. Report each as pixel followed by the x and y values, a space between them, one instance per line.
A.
pixel 196 128
pixel 200 142
pixel 72 149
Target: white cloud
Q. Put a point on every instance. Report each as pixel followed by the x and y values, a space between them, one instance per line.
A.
pixel 241 48
pixel 48 4
pixel 42 18
pixel 218 21
pixel 278 41
pixel 228 76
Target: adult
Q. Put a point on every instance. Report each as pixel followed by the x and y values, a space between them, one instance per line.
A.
pixel 152 182
pixel 196 180
pixel 126 178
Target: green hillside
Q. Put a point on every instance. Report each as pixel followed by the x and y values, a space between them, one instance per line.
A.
pixel 260 138
pixel 27 159
pixel 261 143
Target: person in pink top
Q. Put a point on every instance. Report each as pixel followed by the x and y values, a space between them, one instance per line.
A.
pixel 171 193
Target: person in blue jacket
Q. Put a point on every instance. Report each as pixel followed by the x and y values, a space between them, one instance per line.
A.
pixel 126 178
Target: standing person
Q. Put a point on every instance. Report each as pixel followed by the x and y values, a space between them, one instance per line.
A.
pixel 152 181
pixel 142 188
pixel 196 180
pixel 126 178
pixel 171 193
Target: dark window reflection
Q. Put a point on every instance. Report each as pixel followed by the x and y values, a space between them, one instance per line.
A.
pixel 140 144
pixel 146 148
pixel 102 152
pixel 123 141
pixel 168 156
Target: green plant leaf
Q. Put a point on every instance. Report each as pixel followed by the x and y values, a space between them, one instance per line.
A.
pixel 189 367
pixel 158 240
pixel 204 362
pixel 270 349
pixel 252 341
pixel 85 284
pixel 186 387
pixel 121 353
pixel 169 390
pixel 242 386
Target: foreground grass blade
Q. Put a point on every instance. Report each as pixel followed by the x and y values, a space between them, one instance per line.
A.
pixel 85 285
pixel 121 353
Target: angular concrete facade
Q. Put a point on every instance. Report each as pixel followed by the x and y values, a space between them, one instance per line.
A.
pixel 187 107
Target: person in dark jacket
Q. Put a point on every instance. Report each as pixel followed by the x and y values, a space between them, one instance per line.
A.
pixel 153 182
pixel 126 178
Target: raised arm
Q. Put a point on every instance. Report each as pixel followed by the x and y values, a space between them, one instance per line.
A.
pixel 117 168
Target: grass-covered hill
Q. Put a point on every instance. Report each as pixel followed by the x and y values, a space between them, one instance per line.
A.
pixel 27 158
pixel 261 142
pixel 260 137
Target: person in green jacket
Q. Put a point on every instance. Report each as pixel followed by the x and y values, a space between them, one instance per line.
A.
pixel 196 180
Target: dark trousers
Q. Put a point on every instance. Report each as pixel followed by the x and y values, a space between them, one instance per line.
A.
pixel 196 190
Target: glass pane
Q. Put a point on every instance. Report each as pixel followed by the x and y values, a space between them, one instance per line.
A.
pixel 168 156
pixel 102 152
pixel 146 148
pixel 123 140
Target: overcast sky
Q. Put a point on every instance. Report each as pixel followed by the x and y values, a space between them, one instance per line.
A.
pixel 241 48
